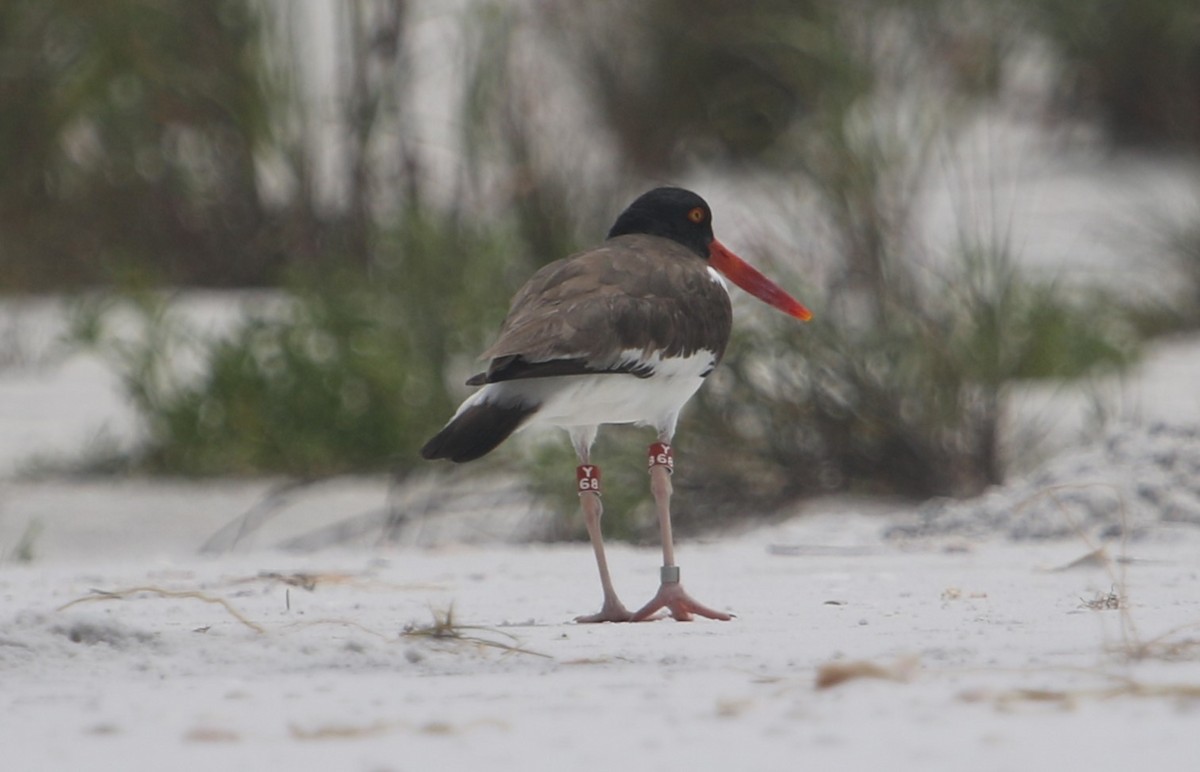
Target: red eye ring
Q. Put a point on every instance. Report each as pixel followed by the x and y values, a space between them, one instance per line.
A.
pixel 696 215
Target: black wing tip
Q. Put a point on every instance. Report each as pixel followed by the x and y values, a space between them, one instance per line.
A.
pixel 431 450
pixel 477 431
pixel 515 368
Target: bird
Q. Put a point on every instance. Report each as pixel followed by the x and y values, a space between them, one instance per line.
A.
pixel 623 333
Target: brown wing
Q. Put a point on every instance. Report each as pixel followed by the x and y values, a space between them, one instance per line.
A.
pixel 579 315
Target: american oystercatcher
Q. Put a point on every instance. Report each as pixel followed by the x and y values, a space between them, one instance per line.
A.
pixel 623 333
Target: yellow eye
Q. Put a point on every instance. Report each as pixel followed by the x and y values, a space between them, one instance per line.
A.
pixel 696 215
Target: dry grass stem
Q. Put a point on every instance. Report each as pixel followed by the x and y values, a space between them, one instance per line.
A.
pixel 1164 647
pixel 1099 556
pixel 374 729
pixel 342 623
pixel 101 595
pixel 444 628
pixel 833 674
pixel 1133 647
pixel 309 580
pixel 341 731
pixel 271 504
pixel 1069 698
pixel 211 735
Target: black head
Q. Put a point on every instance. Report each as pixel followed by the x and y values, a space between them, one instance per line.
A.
pixel 673 213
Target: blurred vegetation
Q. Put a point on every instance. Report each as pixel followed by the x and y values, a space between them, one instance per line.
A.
pixel 912 407
pixel 1133 65
pixel 128 134
pixel 136 137
pixel 679 81
pixel 337 379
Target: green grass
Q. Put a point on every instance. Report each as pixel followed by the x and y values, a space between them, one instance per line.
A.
pixel 349 374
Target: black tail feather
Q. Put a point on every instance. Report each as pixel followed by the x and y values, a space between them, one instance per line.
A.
pixel 477 431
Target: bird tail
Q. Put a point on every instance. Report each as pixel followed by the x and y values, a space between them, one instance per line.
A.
pixel 476 429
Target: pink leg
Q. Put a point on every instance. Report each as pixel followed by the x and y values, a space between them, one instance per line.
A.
pixel 671 594
pixel 589 498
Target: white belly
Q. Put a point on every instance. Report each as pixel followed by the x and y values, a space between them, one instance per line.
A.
pixel 591 400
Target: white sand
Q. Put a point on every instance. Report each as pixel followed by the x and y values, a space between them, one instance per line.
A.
pixel 1003 665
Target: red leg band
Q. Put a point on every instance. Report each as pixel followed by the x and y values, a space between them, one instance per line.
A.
pixel 587 478
pixel 661 455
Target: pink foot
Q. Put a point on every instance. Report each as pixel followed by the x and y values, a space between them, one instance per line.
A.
pixel 612 611
pixel 675 599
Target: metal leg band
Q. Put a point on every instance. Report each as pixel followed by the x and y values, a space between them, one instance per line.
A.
pixel 669 574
